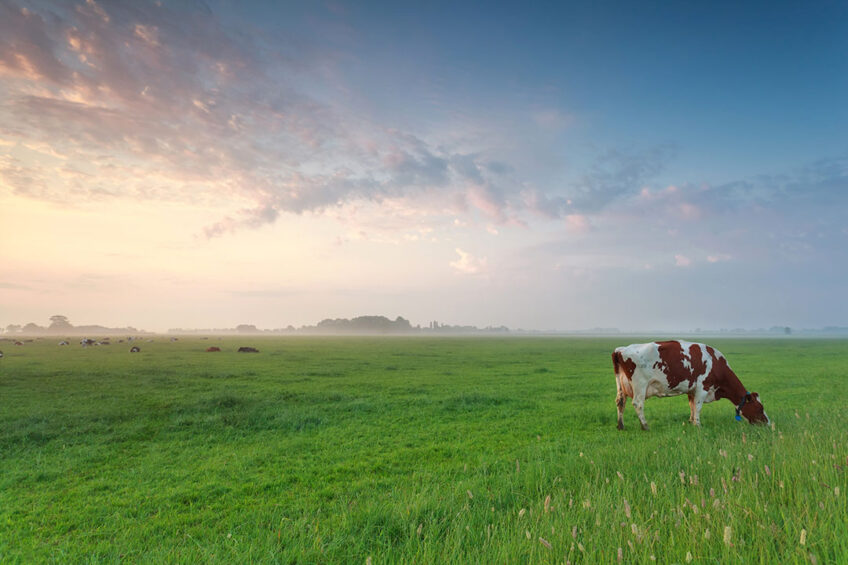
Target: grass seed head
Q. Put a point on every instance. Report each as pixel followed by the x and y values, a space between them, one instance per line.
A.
pixel 544 542
pixel 620 555
pixel 528 534
pixel 728 534
pixel 653 488
pixel 522 512
pixel 688 557
pixel 547 504
pixel 803 540
pixel 626 508
pixel 469 494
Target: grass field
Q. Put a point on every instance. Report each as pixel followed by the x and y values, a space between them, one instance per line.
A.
pixel 420 450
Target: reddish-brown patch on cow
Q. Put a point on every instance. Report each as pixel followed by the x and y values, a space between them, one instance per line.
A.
pixel 753 410
pixel 696 360
pixel 212 349
pixel 628 365
pixel 671 363
pixel 723 379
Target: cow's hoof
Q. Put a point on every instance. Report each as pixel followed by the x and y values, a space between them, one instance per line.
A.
pixel 620 426
pixel 645 427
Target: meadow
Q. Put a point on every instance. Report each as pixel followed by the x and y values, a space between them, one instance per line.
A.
pixel 412 450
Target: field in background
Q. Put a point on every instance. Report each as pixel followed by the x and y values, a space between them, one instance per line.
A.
pixel 334 450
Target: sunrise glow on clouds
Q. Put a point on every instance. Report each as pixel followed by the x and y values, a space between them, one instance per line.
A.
pixel 183 164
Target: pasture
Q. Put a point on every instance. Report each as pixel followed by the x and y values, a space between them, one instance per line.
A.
pixel 412 450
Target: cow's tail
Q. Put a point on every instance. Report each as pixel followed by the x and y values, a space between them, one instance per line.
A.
pixel 622 388
pixel 620 398
pixel 616 364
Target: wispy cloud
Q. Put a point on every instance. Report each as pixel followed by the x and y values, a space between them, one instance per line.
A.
pixel 468 264
pixel 138 100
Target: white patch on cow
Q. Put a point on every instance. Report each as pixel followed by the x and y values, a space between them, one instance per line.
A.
pixel 684 349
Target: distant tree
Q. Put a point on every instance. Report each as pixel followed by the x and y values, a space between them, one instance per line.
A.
pixel 32 328
pixel 246 328
pixel 13 328
pixel 59 324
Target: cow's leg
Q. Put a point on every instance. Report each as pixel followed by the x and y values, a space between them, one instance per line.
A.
pixel 692 418
pixel 639 406
pixel 620 401
pixel 699 403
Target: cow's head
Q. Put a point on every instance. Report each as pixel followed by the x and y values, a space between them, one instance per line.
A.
pixel 752 409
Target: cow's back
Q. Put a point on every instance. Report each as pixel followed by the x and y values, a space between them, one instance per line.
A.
pixel 669 367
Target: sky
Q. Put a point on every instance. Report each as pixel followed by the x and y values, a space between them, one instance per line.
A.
pixel 557 166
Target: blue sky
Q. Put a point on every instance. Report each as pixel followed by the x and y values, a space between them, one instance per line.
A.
pixel 557 166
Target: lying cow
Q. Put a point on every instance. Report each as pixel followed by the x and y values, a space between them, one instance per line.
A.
pixel 248 350
pixel 212 349
pixel 670 368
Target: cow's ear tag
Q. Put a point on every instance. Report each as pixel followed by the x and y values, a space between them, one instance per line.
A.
pixel 738 418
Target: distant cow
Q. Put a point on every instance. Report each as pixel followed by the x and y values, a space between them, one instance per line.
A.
pixel 248 350
pixel 1 354
pixel 212 349
pixel 135 349
pixel 85 342
pixel 63 342
pixel 19 343
pixel 670 368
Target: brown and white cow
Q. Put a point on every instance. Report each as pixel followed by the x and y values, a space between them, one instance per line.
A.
pixel 670 368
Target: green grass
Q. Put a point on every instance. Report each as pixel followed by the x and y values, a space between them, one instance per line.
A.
pixel 334 450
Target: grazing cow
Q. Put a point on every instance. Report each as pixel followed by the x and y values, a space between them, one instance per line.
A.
pixel 670 368
pixel 85 342
pixel 212 349
pixel 248 350
pixel 63 342
pixel 1 354
pixel 19 343
pixel 135 349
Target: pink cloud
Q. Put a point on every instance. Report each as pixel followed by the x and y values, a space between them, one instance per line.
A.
pixel 468 264
pixel 718 258
pixel 682 260
pixel 577 223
